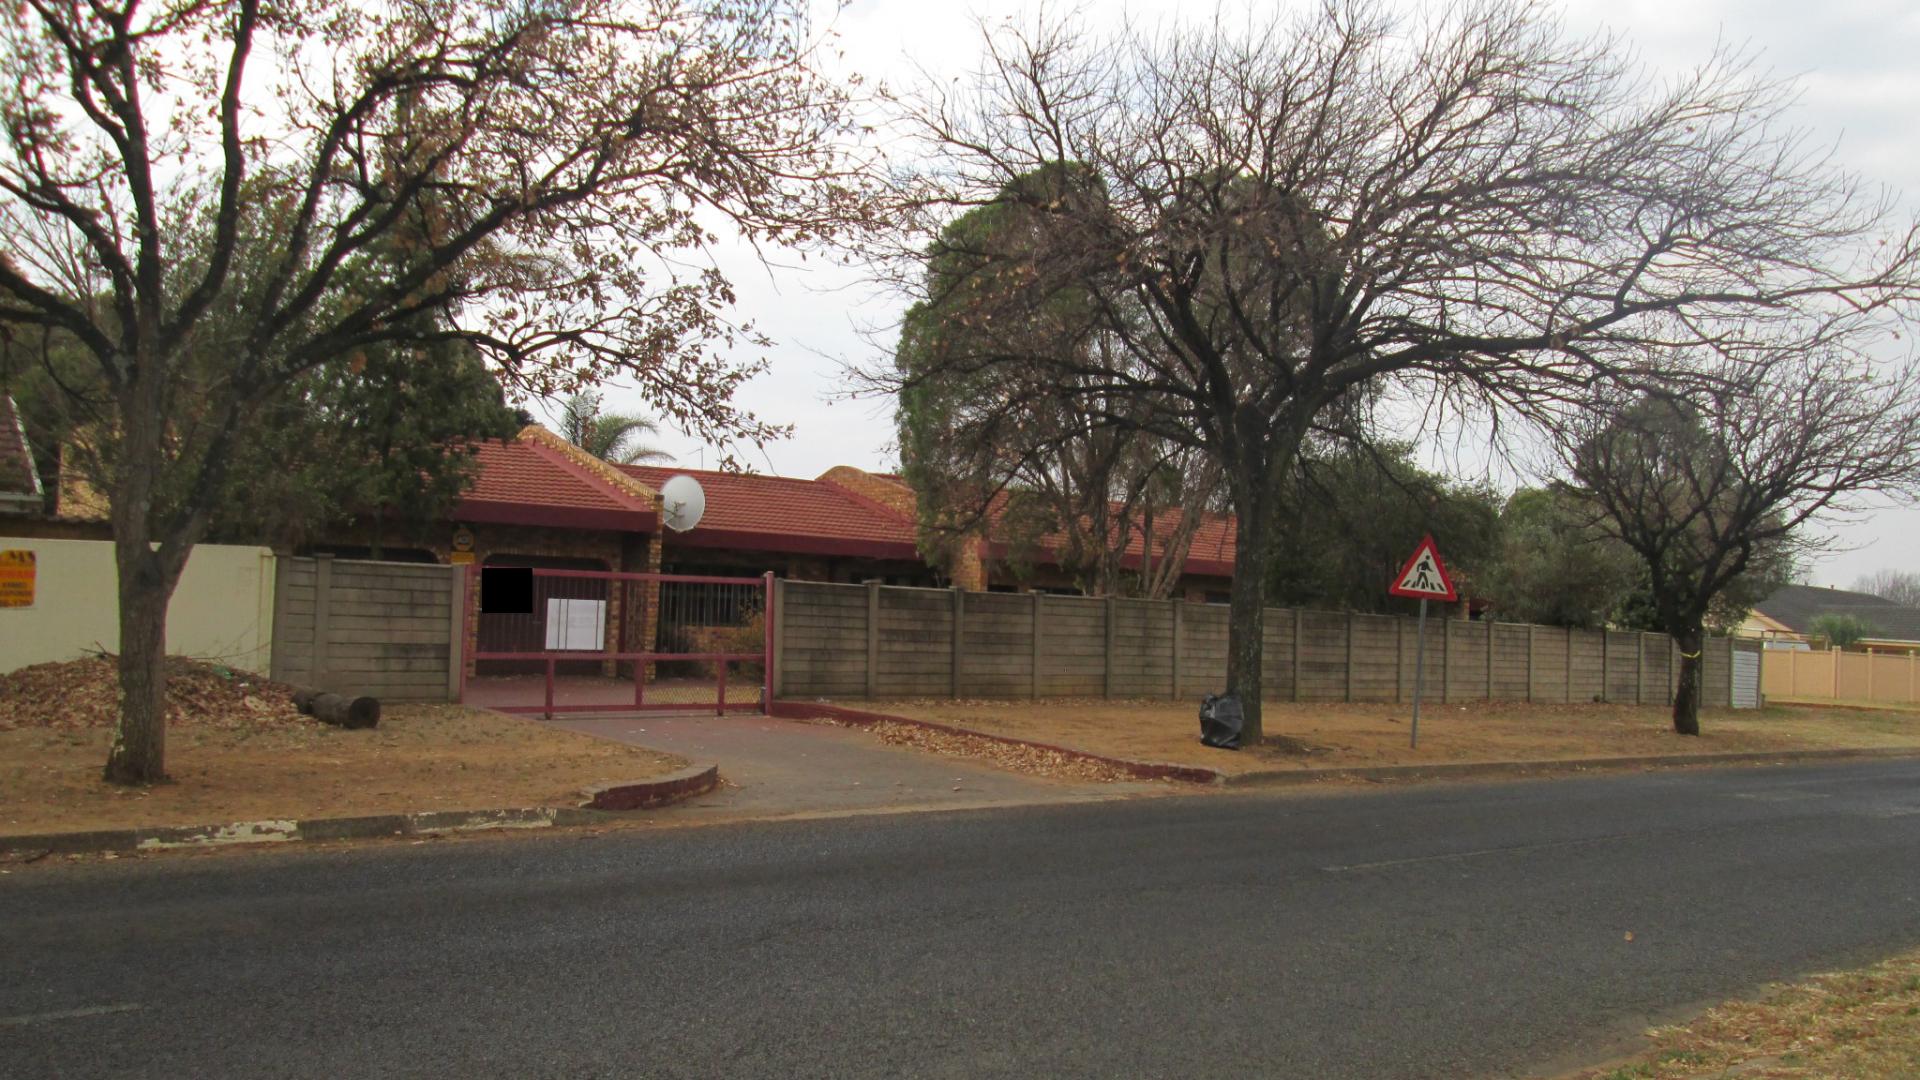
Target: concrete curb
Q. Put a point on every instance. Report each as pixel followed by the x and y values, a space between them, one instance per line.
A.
pixel 645 794
pixel 1140 770
pixel 1499 769
pixel 603 806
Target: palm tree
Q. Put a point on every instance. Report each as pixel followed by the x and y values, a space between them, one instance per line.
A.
pixel 608 436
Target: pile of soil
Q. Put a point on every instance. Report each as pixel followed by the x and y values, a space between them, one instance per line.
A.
pixel 76 695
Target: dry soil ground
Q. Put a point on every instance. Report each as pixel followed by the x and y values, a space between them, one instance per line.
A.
pixel 1343 735
pixel 236 750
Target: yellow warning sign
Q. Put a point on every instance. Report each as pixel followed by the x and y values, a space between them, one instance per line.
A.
pixel 16 579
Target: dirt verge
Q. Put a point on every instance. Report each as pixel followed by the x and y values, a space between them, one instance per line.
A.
pixel 1325 736
pixel 421 757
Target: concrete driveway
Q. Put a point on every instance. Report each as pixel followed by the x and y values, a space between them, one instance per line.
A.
pixel 773 768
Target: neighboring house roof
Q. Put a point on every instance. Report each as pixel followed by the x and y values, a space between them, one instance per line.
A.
pixel 788 514
pixel 20 490
pixel 1211 552
pixel 539 479
pixel 1795 607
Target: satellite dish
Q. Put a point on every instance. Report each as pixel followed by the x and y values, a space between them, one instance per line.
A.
pixel 682 502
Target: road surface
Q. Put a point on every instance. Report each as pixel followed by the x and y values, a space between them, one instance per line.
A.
pixel 1436 931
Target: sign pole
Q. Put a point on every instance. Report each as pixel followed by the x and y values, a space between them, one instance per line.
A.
pixel 1419 665
pixel 1425 577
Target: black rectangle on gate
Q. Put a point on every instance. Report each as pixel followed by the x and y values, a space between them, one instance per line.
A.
pixel 506 590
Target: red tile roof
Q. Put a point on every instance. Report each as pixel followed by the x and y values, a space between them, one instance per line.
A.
pixel 535 480
pixel 522 482
pixel 780 513
pixel 1210 553
pixel 19 482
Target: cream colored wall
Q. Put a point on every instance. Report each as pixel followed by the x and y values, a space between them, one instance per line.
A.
pixel 222 611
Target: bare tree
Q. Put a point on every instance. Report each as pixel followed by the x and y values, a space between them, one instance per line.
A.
pixel 1273 217
pixel 518 176
pixel 1702 484
pixel 1900 586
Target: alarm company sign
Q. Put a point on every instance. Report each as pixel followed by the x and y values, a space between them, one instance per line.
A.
pixel 16 578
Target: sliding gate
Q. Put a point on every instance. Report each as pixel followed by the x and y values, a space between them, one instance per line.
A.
pixel 599 641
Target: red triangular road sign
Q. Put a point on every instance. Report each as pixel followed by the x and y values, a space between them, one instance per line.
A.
pixel 1424 576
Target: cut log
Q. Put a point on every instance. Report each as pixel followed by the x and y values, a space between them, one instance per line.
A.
pixel 338 709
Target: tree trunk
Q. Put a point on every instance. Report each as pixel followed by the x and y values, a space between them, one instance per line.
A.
pixel 139 752
pixel 1246 628
pixel 146 581
pixel 1686 698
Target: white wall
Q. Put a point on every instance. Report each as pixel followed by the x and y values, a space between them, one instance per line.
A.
pixel 222 611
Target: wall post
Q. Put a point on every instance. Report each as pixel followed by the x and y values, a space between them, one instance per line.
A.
pixel 1106 677
pixel 1489 659
pixel 1033 685
pixel 1639 669
pixel 1569 675
pixel 1400 657
pixel 1173 692
pixel 1299 620
pixel 276 661
pixel 1350 618
pixel 1606 650
pixel 1869 673
pixel 456 631
pixel 1834 655
pixel 1530 629
pixel 1446 658
pixel 322 601
pixel 959 650
pixel 873 640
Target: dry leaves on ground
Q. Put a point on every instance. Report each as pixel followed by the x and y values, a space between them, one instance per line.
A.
pixel 1033 760
pixel 76 695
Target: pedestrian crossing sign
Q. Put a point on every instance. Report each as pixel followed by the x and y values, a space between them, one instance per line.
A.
pixel 1424 577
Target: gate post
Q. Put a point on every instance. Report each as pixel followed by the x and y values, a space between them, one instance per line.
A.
pixel 873 639
pixel 457 634
pixel 770 622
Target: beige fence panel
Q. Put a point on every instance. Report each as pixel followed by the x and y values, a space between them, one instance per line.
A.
pixel 1828 675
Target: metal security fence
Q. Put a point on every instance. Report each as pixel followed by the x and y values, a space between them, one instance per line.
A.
pixel 602 641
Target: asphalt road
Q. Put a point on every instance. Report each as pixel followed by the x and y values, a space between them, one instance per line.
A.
pixel 1439 931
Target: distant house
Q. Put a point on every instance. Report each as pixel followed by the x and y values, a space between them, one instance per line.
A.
pixel 20 488
pixel 1785 619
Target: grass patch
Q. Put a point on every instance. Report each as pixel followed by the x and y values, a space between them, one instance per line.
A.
pixel 1851 1025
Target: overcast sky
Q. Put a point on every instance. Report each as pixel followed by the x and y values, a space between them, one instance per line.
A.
pixel 1855 61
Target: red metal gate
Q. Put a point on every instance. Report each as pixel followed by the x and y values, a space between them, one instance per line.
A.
pixel 602 641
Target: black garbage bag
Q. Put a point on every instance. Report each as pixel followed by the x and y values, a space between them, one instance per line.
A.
pixel 1220 721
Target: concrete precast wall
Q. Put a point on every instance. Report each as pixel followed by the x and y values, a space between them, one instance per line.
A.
pixel 892 642
pixel 382 629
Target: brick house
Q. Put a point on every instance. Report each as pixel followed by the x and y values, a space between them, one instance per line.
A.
pixel 539 501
